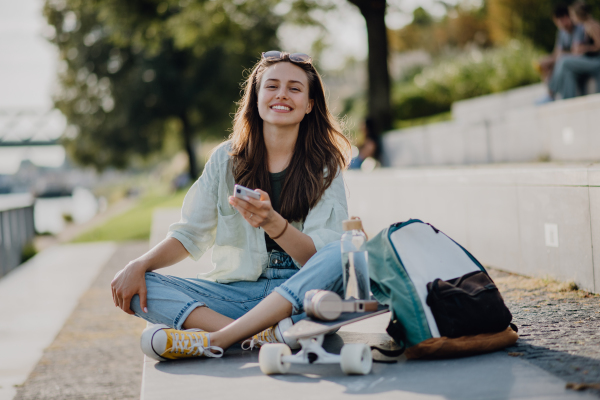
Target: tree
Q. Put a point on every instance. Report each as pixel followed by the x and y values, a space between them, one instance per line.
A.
pixel 379 78
pixel 135 73
pixel 421 17
pixel 460 27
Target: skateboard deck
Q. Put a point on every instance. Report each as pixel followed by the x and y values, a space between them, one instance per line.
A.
pixel 308 327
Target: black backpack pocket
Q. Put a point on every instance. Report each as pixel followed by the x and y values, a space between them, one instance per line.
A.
pixel 468 305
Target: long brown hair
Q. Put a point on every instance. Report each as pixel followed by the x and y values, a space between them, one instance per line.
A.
pixel 581 10
pixel 320 153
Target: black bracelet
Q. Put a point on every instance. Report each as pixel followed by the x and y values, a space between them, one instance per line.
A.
pixel 282 232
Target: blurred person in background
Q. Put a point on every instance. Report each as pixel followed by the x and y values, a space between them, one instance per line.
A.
pixel 370 147
pixel 288 146
pixel 571 71
pixel 567 36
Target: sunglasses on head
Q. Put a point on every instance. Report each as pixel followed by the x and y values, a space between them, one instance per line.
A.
pixel 276 55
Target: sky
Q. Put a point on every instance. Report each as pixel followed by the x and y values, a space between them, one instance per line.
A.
pixel 28 62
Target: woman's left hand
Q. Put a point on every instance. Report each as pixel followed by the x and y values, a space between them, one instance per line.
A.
pixel 256 212
pixel 579 49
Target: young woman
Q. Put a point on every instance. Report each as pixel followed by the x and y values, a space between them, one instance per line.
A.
pixel 585 58
pixel 267 253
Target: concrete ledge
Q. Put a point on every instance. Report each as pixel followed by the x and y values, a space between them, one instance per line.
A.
pixel 380 198
pixel 495 105
pixel 533 219
pixel 565 130
pixel 162 218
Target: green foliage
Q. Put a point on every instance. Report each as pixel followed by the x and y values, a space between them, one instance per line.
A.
pixel 422 17
pixel 470 74
pixel 432 119
pixel 134 224
pixel 134 73
pixel 462 25
pixel 28 251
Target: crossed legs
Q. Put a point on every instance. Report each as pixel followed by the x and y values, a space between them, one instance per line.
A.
pixel 228 321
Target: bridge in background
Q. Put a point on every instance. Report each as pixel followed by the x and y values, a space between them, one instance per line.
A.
pixel 31 127
pixel 31 134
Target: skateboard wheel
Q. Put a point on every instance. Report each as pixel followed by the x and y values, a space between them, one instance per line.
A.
pixel 356 359
pixel 269 358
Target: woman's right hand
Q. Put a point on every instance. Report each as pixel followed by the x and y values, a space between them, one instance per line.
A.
pixel 128 282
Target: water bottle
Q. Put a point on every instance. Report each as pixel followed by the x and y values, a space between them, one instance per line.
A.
pixel 355 262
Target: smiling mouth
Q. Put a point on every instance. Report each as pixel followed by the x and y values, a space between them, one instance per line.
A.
pixel 281 108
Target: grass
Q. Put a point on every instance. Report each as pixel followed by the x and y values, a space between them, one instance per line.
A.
pixel 409 123
pixel 469 74
pixel 134 224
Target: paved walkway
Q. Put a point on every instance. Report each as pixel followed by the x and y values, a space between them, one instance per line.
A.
pixel 559 328
pixel 237 375
pixel 492 376
pixel 36 299
pixel 96 353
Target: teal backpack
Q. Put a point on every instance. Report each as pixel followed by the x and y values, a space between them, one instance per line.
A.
pixel 408 260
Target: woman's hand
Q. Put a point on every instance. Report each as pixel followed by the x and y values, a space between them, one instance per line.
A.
pixel 128 282
pixel 298 245
pixel 258 213
pixel 578 49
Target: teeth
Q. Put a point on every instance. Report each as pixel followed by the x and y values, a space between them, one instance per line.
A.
pixel 281 108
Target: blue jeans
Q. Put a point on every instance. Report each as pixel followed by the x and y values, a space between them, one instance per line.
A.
pixel 172 299
pixel 569 70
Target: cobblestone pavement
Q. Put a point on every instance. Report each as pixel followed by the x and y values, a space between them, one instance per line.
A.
pixel 96 355
pixel 559 327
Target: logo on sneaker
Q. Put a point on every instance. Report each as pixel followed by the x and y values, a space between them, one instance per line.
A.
pixel 161 343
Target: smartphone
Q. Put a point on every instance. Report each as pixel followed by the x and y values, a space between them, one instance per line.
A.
pixel 242 191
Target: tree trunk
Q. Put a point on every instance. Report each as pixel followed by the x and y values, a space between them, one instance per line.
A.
pixel 379 104
pixel 187 133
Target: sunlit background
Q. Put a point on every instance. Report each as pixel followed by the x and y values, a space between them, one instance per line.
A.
pixel 32 160
pixel 94 118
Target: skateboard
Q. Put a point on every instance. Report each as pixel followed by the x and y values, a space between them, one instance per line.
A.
pixel 355 358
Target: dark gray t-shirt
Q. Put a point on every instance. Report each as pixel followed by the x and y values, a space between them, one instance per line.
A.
pixel 565 40
pixel 277 179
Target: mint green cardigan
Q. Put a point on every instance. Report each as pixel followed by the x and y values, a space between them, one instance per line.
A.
pixel 239 250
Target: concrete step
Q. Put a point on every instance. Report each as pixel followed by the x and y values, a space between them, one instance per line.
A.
pixel 495 105
pixel 188 268
pixel 565 130
pixel 538 220
pixel 381 197
pixel 495 376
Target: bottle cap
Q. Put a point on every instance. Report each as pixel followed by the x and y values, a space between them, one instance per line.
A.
pixel 351 224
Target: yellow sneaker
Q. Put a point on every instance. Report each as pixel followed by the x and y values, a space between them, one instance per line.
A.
pixel 273 334
pixel 164 343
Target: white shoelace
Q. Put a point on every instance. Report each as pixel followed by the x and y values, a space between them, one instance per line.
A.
pixel 193 346
pixel 266 336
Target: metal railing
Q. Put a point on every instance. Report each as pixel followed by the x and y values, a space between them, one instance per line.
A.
pixel 16 231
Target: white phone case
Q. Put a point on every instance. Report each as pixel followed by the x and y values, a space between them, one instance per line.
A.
pixel 242 191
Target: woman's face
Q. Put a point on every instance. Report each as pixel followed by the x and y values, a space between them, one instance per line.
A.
pixel 283 95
